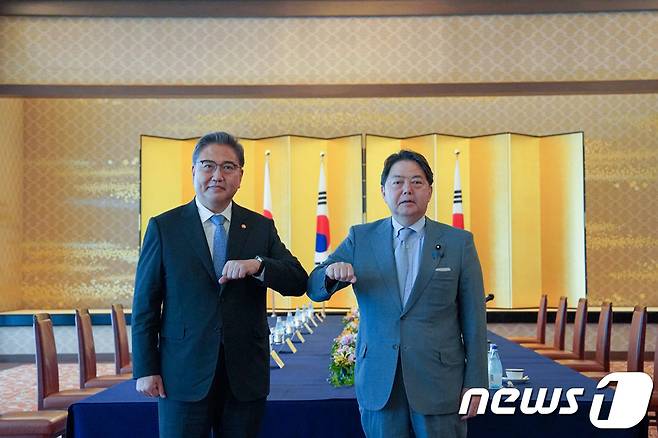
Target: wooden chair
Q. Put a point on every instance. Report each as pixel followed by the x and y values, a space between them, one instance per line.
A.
pixel 87 355
pixel 540 338
pixel 636 341
pixel 122 361
pixel 653 404
pixel 601 362
pixel 41 424
pixel 579 327
pixel 49 395
pixel 558 335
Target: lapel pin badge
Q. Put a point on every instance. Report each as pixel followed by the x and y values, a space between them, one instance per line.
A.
pixel 243 226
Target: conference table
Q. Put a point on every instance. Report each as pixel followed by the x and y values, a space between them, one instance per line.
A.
pixel 303 404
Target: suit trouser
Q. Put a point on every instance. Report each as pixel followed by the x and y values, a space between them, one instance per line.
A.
pixel 219 411
pixel 397 420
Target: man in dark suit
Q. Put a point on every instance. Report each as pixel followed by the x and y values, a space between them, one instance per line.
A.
pixel 199 317
pixel 422 337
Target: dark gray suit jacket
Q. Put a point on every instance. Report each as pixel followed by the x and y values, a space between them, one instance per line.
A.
pixel 439 335
pixel 180 311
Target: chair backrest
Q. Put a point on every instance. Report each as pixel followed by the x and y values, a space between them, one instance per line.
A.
pixel 655 365
pixel 603 335
pixel 560 324
pixel 636 339
pixel 541 319
pixel 579 328
pixel 86 348
pixel 121 350
pixel 46 357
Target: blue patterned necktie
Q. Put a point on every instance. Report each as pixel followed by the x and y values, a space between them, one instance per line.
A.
pixel 402 263
pixel 218 244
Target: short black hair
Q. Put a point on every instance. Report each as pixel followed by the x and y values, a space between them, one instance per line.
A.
pixel 218 138
pixel 409 156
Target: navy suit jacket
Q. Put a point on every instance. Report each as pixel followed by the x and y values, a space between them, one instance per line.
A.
pixel 439 336
pixel 180 312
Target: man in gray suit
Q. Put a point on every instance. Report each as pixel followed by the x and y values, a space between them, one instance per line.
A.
pixel 422 336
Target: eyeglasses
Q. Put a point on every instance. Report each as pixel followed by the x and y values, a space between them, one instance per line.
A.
pixel 209 166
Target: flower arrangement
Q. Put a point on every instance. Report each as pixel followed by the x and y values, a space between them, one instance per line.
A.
pixel 343 352
pixel 353 315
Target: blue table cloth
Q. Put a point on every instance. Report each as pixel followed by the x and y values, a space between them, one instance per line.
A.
pixel 302 404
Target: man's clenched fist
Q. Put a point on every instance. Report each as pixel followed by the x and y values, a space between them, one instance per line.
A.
pixel 341 271
pixel 151 386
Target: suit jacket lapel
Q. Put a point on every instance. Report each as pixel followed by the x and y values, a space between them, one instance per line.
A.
pixel 386 258
pixel 197 237
pixel 237 233
pixel 432 251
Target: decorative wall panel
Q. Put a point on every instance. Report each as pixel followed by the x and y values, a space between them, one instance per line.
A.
pixel 550 47
pixel 11 169
pixel 81 194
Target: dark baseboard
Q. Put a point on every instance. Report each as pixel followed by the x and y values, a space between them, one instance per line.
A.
pixel 109 357
pixel 494 316
pixel 311 8
pixel 307 91
pixel 61 358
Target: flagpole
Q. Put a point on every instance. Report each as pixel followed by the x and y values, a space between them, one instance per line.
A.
pixel 324 303
pixel 317 262
pixel 267 166
pixel 457 206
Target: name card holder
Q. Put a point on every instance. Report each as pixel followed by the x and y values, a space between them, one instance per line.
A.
pixel 299 336
pixel 277 359
pixel 307 327
pixel 291 345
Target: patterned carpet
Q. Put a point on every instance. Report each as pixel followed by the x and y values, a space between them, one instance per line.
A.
pixel 18 384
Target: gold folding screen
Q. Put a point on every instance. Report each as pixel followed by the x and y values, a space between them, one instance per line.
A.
pixel 523 199
pixel 294 170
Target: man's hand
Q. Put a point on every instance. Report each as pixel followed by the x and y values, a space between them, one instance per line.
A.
pixel 236 269
pixel 151 386
pixel 341 271
pixel 472 407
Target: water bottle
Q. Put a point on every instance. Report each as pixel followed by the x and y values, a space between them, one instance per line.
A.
pixel 298 318
pixel 279 331
pixel 495 368
pixel 290 324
